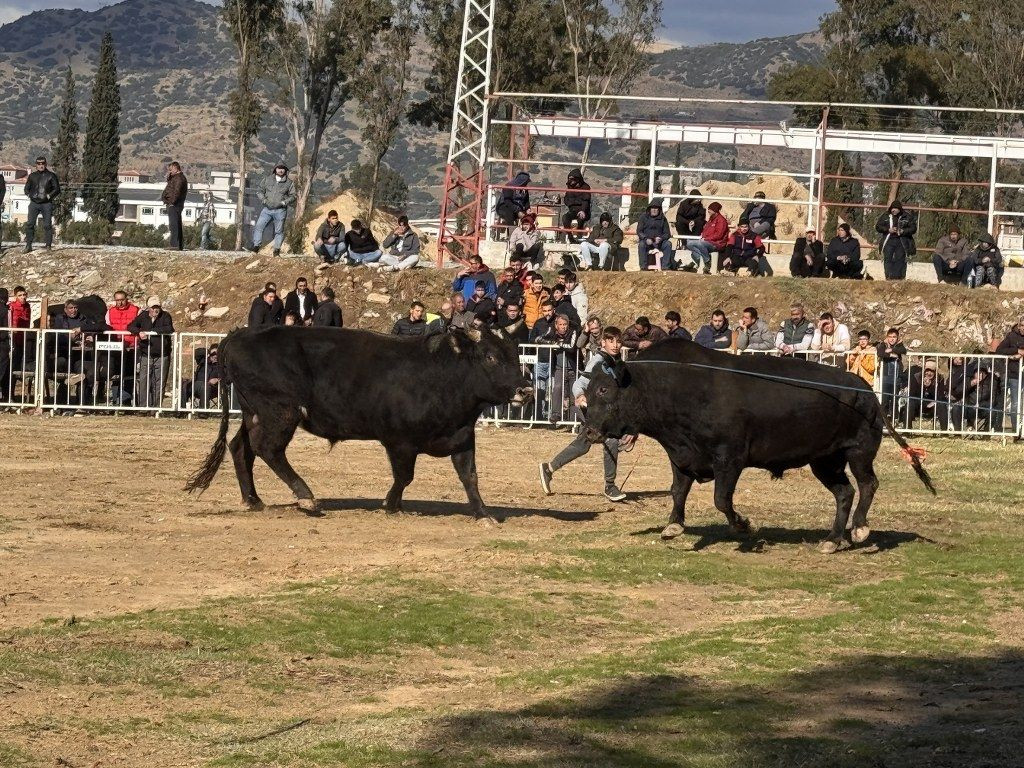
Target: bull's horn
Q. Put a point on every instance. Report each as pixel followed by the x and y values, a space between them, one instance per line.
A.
pixel 474 334
pixel 498 332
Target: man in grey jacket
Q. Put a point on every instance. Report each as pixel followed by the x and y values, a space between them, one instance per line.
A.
pixel 952 258
pixel 275 192
pixel 754 333
pixel 403 248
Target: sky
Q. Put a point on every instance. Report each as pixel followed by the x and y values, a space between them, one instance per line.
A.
pixel 687 22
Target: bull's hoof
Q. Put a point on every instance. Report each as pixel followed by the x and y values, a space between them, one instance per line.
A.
pixel 828 547
pixel 741 526
pixel 860 534
pixel 309 506
pixel 486 521
pixel 671 530
pixel 255 505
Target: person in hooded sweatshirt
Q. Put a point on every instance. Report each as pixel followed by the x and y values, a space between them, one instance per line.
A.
pixel 988 263
pixel 275 193
pixel 577 203
pixel 691 216
pixel 713 237
pixel 897 228
pixel 653 234
pixel 514 203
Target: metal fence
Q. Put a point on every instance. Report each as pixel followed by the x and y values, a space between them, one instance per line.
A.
pixel 933 393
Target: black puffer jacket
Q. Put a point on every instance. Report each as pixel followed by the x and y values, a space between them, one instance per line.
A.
pixel 691 216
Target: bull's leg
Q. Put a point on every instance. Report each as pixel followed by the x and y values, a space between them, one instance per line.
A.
pixel 681 484
pixel 403 468
pixel 726 477
pixel 465 466
pixel 244 457
pixel 831 471
pixel 270 439
pixel 863 470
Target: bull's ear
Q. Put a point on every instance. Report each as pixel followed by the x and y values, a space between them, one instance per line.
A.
pixel 474 334
pixel 438 340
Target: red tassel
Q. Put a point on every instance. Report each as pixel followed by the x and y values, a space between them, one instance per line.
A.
pixel 911 452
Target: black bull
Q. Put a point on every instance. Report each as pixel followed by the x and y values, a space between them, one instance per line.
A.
pixel 717 414
pixel 414 395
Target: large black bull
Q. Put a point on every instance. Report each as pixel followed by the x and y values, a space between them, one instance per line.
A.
pixel 414 395
pixel 717 414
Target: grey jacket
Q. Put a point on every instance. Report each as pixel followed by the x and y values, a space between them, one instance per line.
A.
pixel 410 244
pixel 949 251
pixel 274 194
pixel 758 336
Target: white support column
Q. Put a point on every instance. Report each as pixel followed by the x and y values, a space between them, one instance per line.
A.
pixel 811 213
pixel 992 192
pixel 653 164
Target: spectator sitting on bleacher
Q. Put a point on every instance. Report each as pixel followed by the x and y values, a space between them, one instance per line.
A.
pixel 951 259
pixel 742 254
pixel 716 334
pixel 577 203
pixel 674 326
pixel 988 263
pixel 510 320
pixel 830 336
pixel 413 325
pixel 513 203
pixel 402 246
pixel 544 322
pixel 577 294
pixel 564 306
pixel 526 243
pixel 843 255
pixel 480 304
pixel 641 334
pixel 653 234
pixel 533 300
pixel 589 341
pixel 864 359
pixel 796 333
pixel 754 333
pixel 761 216
pixel 599 249
pixel 713 237
pixel 808 256
pixel 691 216
pixel 467 277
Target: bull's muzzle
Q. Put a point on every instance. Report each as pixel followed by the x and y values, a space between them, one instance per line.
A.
pixel 522 396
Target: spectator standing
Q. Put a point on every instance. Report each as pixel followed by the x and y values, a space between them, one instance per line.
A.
pixel 589 341
pixel 402 246
pixel 480 305
pixel 41 187
pixel 890 357
pixel 328 313
pixel 987 261
pixel 544 322
pixel 155 330
pixel 562 338
pixel 674 326
pixel 926 398
pixel 118 368
pixel 510 320
pixel 525 241
pixel 301 301
pixel 3 194
pixel 173 198
pixel 329 244
pixel 6 372
pixel 761 216
pixel 413 325
pixel 19 315
pixel 742 255
pixel 604 360
pixel 563 306
pixel 716 334
pixel 577 203
pixel 653 235
pixel 713 238
pixel 515 202
pixel 599 249
pixel 516 263
pixel 863 360
pixel 754 333
pixel 1012 346
pixel 263 311
pixel 206 217
pixel 951 258
pixel 361 245
pixel 276 193
pixel 796 333
pixel 691 216
pixel 534 300
pixel 642 334
pixel 466 279
pixel 808 256
pixel 577 294
pixel 830 336
pixel 509 289
pixel 897 228
pixel 843 256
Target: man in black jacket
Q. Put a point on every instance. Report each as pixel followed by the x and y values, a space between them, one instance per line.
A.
pixel 577 203
pixel 301 301
pixel 41 187
pixel 263 310
pixel 330 239
pixel 512 323
pixel 328 313
pixel 691 216
pixel 808 256
pixel 173 198
pixel 156 339
pixel 1012 346
pixel 413 325
pixel 896 227
pixel 362 246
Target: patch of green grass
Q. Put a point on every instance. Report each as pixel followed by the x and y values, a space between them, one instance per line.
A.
pixel 12 757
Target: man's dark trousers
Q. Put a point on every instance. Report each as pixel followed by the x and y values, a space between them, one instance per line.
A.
pixel 174 225
pixel 34 211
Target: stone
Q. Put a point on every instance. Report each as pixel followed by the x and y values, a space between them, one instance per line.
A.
pixel 368 284
pixel 89 280
pixel 194 315
pixel 369 313
pixel 172 284
pixel 159 277
pixel 216 312
pixel 252 265
pixel 914 343
pixel 192 284
pixel 378 298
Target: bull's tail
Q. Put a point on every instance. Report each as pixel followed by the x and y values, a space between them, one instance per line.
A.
pixel 202 478
pixel 913 455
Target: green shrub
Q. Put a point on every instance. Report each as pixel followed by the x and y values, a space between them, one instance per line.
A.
pixel 12 231
pixel 221 238
pixel 87 232
pixel 144 236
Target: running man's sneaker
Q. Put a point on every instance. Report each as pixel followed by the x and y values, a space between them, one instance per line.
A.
pixel 612 493
pixel 545 477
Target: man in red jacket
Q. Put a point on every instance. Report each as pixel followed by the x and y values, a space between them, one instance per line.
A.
pixel 713 237
pixel 117 369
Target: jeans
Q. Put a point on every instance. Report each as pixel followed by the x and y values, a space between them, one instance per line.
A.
pixel 667 254
pixel 277 215
pixel 34 211
pixel 177 239
pixel 603 252
pixel 580 447
pixel 331 252
pixel 365 258
pixel 400 263
pixel 204 236
pixel 153 371
pixel 700 252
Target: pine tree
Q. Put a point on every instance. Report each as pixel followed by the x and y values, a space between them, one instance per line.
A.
pixel 677 180
pixel 102 151
pixel 64 152
pixel 641 177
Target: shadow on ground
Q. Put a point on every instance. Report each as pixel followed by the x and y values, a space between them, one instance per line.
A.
pixel 876 711
pixel 703 536
pixel 427 508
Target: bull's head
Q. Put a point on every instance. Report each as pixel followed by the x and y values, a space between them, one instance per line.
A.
pixel 605 393
pixel 497 377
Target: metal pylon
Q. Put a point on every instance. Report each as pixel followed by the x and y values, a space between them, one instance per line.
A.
pixel 464 178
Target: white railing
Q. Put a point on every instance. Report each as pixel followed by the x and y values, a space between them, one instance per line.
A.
pixel 553 370
pixel 198 374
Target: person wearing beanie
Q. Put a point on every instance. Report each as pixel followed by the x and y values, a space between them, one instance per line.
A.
pixel 952 259
pixel 691 216
pixel 601 245
pixel 896 227
pixel 653 234
pixel 843 255
pixel 988 263
pixel 713 238
pixel 577 203
pixel 276 192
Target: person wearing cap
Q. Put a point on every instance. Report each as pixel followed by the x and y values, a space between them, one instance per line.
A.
pixel 742 254
pixel 808 256
pixel 713 238
pixel 843 255
pixel 155 331
pixel 206 217
pixel 603 242
pixel 173 197
pixel 952 259
pixel 276 192
pixel 525 241
pixel 896 227
pixel 653 234
pixel 41 187
pixel 926 398
pixel 987 261
pixel 761 216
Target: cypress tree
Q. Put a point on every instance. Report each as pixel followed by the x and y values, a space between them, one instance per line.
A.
pixel 641 177
pixel 102 151
pixel 64 152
